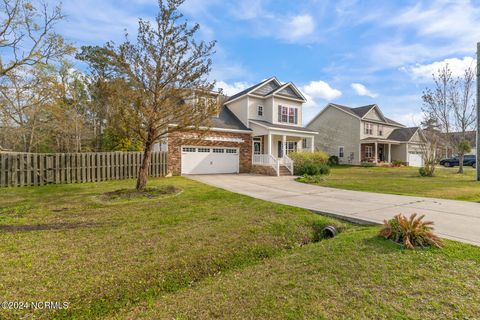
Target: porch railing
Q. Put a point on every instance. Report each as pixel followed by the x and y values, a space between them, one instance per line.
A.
pixel 267 160
pixel 288 163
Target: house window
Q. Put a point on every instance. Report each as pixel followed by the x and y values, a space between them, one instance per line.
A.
pixel 341 152
pixel 304 143
pixel 291 146
pixel 380 130
pixel 218 150
pixel 368 128
pixel 260 111
pixel 188 149
pixel 203 149
pixel 231 150
pixel 287 114
pixel 368 151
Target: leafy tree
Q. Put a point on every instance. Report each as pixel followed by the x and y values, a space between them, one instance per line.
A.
pixel 161 68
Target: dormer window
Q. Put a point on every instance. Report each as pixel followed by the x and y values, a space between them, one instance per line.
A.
pixel 260 111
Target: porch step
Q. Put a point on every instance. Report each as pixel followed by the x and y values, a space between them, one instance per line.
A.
pixel 284 171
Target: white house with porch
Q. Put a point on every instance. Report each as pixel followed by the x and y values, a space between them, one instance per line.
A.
pixel 273 111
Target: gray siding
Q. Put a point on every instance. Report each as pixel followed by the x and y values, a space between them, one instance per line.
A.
pixel 336 128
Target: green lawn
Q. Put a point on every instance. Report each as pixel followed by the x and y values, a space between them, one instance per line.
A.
pixel 208 253
pixel 446 184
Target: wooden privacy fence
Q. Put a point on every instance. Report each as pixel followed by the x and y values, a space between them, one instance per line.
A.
pixel 36 169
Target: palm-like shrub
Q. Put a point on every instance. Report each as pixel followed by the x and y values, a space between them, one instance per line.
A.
pixel 411 232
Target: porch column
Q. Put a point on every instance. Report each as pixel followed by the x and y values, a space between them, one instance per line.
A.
pixel 284 143
pixel 312 147
pixel 389 153
pixel 269 144
pixel 376 152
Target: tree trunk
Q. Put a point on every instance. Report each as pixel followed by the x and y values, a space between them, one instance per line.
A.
pixel 460 162
pixel 143 172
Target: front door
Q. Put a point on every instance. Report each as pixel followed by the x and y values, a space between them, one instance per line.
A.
pixel 257 146
pixel 280 149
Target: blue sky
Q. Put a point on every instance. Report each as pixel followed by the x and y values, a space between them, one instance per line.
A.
pixel 345 51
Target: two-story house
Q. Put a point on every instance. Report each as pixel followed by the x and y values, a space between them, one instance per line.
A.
pixel 254 131
pixel 364 134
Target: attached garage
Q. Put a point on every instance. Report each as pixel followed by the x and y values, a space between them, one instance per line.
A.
pixel 209 160
pixel 415 159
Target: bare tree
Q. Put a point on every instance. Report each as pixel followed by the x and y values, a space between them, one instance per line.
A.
pixel 452 106
pixel 462 97
pixel 24 98
pixel 164 66
pixel 27 35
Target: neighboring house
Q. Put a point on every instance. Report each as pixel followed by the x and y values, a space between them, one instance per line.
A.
pixel 364 134
pixel 254 131
pixel 447 151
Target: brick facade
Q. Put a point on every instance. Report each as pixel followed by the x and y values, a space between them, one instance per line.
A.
pixel 182 138
pixel 263 170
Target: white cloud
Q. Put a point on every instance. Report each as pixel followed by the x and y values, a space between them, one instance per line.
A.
pixel 321 89
pixel 361 90
pixel 316 90
pixel 298 27
pixel 231 89
pixel 425 71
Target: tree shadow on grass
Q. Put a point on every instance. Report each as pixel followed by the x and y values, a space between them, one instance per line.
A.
pixel 47 226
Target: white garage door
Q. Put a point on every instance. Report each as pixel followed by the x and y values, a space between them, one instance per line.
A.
pixel 415 159
pixel 208 160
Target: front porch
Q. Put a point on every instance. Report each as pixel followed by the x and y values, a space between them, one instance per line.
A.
pixel 378 151
pixel 272 150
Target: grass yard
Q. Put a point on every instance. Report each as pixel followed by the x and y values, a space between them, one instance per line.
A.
pixel 447 184
pixel 207 253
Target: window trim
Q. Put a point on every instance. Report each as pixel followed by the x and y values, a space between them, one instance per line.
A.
pixel 260 110
pixel 341 154
pixel 368 151
pixel 285 112
pixel 368 128
pixel 380 132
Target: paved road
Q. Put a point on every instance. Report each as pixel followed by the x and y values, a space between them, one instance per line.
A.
pixel 457 220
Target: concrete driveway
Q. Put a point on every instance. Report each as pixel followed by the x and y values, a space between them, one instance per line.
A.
pixel 457 220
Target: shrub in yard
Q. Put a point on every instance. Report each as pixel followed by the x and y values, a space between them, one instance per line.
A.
pixel 397 163
pixel 422 171
pixel 313 169
pixel 304 160
pixel 333 161
pixel 311 179
pixel 412 232
pixel 368 164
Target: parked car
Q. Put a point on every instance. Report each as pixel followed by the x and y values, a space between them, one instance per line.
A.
pixel 468 160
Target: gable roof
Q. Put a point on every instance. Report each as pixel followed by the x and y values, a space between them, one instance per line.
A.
pixel 270 87
pixel 252 88
pixel 226 119
pixel 360 112
pixel 403 134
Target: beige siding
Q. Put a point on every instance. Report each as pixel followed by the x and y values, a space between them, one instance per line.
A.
pixel 253 104
pixel 387 130
pixel 336 128
pixel 399 152
pixel 373 114
pixel 240 109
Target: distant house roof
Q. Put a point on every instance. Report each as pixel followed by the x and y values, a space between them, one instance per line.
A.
pixel 226 119
pixel 281 126
pixel 363 110
pixel 403 134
